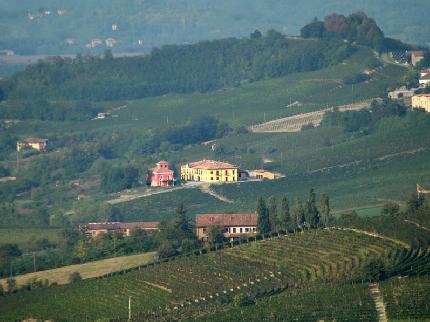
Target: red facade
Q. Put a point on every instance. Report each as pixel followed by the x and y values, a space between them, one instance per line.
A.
pixel 161 175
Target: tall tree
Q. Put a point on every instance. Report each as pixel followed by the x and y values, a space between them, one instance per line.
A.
pixel 298 213
pixel 263 222
pixel 273 213
pixel 312 216
pixel 182 224
pixel 284 218
pixel 325 210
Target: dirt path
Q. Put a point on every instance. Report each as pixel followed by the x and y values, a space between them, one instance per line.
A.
pixel 416 224
pixel 379 302
pixel 373 234
pixel 206 188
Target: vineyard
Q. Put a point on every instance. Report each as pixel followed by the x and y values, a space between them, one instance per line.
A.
pixel 185 285
pixel 296 122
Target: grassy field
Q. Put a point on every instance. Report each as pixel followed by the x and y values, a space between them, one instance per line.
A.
pixel 87 270
pixel 26 237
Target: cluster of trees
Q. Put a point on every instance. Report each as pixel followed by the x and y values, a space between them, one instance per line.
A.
pixel 204 66
pixel 356 27
pixel 301 215
pixel 41 109
pixel 353 121
pixel 115 178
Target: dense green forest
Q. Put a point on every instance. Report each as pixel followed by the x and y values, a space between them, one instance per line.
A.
pixel 187 68
pixel 28 28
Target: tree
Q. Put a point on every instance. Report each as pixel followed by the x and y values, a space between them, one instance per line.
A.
pixel 166 249
pixel 183 224
pixel 254 35
pixel 284 215
pixel 273 213
pixel 298 213
pixel 312 215
pixel 10 250
pixel 313 30
pixel 11 285
pixel 75 277
pixel 263 221
pixel 374 271
pixel 325 210
pixel 215 234
pixel 414 202
pixel 1 290
pixel 79 251
pixel 390 208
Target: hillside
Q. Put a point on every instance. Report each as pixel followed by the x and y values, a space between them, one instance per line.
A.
pixel 30 27
pixel 190 285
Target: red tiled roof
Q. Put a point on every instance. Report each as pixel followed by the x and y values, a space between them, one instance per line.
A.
pixel 226 220
pixel 35 140
pixel 422 95
pixel 418 53
pixel 211 165
pixel 427 76
pixel 122 225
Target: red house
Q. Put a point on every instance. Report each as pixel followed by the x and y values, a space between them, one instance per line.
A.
pixel 160 175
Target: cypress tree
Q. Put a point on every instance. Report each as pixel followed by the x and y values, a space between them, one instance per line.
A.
pixel 298 214
pixel 263 222
pixel 325 210
pixel 284 215
pixel 273 213
pixel 311 212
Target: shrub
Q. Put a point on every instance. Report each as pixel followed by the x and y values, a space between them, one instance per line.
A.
pixel 374 271
pixel 75 277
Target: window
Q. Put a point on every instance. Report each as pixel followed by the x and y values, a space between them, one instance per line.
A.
pixel 241 230
pixel 217 173
pixel 204 230
pixel 225 230
pixel 246 230
pixel 212 172
pixel 234 230
pixel 217 178
pixel 226 172
pixel 254 229
pixel 226 178
pixel 212 178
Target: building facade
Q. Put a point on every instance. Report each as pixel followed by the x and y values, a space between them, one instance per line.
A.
pixel 421 101
pixel 94 230
pixel 233 225
pixel 262 174
pixel 416 57
pixel 209 171
pixel 32 143
pixel 160 175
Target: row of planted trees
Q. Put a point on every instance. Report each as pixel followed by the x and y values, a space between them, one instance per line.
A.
pixel 301 215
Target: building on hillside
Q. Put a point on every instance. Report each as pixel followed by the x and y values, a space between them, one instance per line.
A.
pixel 110 42
pixel 233 225
pixel 400 93
pixel 262 174
pixel 424 80
pixel 209 171
pixel 416 57
pixel 93 230
pixel 424 72
pixel 32 143
pixel 115 27
pixel 160 175
pixel 96 42
pixel 421 101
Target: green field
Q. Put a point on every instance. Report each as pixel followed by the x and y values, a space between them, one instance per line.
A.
pixel 26 237
pixel 198 283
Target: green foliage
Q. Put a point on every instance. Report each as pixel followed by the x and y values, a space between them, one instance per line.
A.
pixel 312 215
pixel 390 208
pixel 215 234
pixel 374 271
pixel 326 217
pixel 11 285
pixel 119 178
pixel 298 213
pixel 284 216
pixel 75 277
pixel 263 221
pixel 187 68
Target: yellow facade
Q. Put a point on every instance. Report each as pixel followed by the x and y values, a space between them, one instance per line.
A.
pixel 421 101
pixel 209 171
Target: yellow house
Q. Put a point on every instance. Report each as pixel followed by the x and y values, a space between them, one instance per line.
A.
pixel 209 171
pixel 421 101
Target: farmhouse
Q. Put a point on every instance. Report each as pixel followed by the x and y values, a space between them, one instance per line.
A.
pixel 424 80
pixel 262 174
pixel 93 230
pixel 233 225
pixel 416 57
pixel 32 143
pixel 209 171
pixel 421 101
pixel 160 175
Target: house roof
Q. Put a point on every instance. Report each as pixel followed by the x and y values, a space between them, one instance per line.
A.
pixel 262 171
pixel 418 53
pixel 121 225
pixel 211 165
pixel 205 220
pixel 427 76
pixel 422 95
pixel 35 140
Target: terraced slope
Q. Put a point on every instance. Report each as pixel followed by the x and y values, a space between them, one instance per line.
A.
pixel 322 303
pixel 407 298
pixel 186 283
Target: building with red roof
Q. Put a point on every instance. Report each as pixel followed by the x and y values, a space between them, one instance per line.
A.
pixel 93 230
pixel 161 175
pixel 209 171
pixel 233 225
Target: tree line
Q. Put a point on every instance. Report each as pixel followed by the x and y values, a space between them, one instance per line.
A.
pixel 200 67
pixel 301 215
